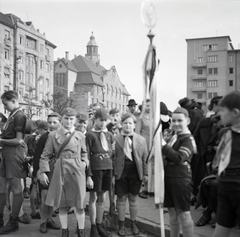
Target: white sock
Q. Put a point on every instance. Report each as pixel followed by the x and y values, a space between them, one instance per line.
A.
pixel 80 215
pixel 63 217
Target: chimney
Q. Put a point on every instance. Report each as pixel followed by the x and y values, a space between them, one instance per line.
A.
pixel 66 54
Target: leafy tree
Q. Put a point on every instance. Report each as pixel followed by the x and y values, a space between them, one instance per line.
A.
pixel 60 101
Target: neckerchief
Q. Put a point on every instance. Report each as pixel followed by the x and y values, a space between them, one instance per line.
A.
pixel 68 132
pixel 128 145
pixel 103 139
pixel 10 116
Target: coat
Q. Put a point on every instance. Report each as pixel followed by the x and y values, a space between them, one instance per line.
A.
pixel 139 153
pixel 68 183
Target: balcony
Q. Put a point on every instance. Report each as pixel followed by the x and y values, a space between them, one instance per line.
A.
pixel 199 65
pixel 197 89
pixel 7 42
pixel 199 77
pixel 47 57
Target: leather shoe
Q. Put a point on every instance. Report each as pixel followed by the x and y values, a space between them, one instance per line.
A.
pixel 134 228
pixel 203 220
pixel 52 225
pixel 65 233
pixel 81 233
pixel 102 232
pixel 11 226
pixel 143 195
pixel 121 230
pixel 43 227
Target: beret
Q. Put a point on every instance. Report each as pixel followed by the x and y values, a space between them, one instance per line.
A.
pixel 102 114
pixel 69 112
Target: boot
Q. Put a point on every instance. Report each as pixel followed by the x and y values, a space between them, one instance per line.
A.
pixel 94 231
pixel 121 230
pixel 11 226
pixel 102 232
pixel 81 233
pixel 134 228
pixel 65 233
pixel 1 221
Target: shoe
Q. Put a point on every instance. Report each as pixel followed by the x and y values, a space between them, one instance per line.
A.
pixel 193 200
pixel 134 228
pixel 1 221
pixel 43 227
pixel 203 220
pixel 65 233
pixel 25 219
pixel 143 195
pixel 102 232
pixel 56 211
pixel 54 214
pixel 52 225
pixel 81 233
pixel 121 230
pixel 151 194
pixel 94 231
pixel 11 226
pixel 36 216
pixel 25 194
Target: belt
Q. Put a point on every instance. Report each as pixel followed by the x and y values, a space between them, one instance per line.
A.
pixel 233 172
pixel 171 163
pixel 101 155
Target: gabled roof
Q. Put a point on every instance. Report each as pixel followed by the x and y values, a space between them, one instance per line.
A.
pixel 70 65
pixel 6 21
pixel 83 64
pixel 14 18
pixel 124 90
pixel 89 78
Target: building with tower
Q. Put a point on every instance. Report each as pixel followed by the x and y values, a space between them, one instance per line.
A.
pixel 86 81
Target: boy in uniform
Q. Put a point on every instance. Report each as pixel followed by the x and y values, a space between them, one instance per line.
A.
pixel 82 123
pixel 12 165
pixel 100 144
pixel 54 123
pixel 228 163
pixel 115 125
pixel 68 183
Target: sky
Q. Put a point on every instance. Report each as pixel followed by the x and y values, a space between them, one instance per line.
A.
pixel 122 37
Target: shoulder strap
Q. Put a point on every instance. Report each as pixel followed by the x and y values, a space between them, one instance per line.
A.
pixel 64 144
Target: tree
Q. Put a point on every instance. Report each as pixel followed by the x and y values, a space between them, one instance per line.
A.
pixel 60 101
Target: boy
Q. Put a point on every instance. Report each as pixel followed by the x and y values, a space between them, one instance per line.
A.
pixel 12 166
pixel 68 183
pixel 228 153
pixel 114 126
pixel 100 145
pixel 178 153
pixel 54 123
pixel 130 169
pixel 82 123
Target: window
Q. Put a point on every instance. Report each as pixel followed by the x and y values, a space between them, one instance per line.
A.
pixel 230 58
pixel 112 91
pixel 20 58
pixel 41 96
pixel 30 43
pixel 41 48
pixel 6 53
pixel 210 47
pixel 199 95
pixel 7 34
pixel 200 84
pixel 231 83
pixel 20 75
pixel 200 71
pixel 28 79
pixel 120 94
pixel 116 91
pixel 47 51
pixel 212 83
pixel 6 72
pixel 31 79
pixel 6 88
pixel 213 58
pixel 212 71
pixel 20 91
pixel 200 59
pixel 231 70
pixel 210 95
pixel 215 94
pixel 47 67
pixel 41 64
pixel 20 39
pixel 47 82
pixel 28 60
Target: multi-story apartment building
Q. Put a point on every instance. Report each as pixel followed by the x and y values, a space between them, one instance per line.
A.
pixel 30 62
pixel 213 68
pixel 87 82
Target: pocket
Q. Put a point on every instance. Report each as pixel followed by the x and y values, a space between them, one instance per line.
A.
pixel 79 163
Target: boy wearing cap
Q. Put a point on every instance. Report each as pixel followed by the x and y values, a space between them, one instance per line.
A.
pixel 228 163
pixel 100 145
pixel 82 123
pixel 130 170
pixel 54 123
pixel 114 126
pixel 68 184
pixel 178 153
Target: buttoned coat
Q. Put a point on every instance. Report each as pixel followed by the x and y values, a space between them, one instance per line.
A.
pixel 68 183
pixel 140 153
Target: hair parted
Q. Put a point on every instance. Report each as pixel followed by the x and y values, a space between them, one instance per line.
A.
pixel 9 95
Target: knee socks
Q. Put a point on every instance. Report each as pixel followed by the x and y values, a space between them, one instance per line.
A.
pixel 3 199
pixel 133 209
pixel 63 217
pixel 174 228
pixel 187 229
pixel 121 207
pixel 100 211
pixel 16 204
pixel 80 215
pixel 92 212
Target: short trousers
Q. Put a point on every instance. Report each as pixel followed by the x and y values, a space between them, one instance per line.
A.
pixel 178 193
pixel 102 180
pixel 12 164
pixel 228 209
pixel 129 181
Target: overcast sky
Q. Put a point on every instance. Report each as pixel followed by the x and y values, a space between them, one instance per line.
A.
pixel 121 36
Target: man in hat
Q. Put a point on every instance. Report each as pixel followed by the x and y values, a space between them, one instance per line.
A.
pixel 91 121
pixel 82 123
pixel 68 183
pixel 101 146
pixel 132 107
pixel 114 126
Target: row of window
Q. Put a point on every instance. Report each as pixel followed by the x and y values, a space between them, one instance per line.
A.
pixel 213 71
pixel 60 79
pixel 211 83
pixel 214 58
pixel 209 47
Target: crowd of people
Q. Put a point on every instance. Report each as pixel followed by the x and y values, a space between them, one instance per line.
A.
pixel 105 151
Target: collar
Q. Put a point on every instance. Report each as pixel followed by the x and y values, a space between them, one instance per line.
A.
pixel 237 130
pixel 99 130
pixel 68 130
pixel 127 135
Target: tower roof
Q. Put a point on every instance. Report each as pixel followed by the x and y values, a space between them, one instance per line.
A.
pixel 92 41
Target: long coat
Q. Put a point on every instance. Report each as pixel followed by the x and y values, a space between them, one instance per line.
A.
pixel 68 183
pixel 139 153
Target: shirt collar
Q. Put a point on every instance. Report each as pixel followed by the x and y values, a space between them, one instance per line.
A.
pixel 68 130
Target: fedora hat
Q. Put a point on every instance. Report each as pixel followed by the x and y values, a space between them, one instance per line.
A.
pixel 131 102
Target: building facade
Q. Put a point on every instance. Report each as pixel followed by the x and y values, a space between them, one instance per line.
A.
pixel 213 68
pixel 30 64
pixel 87 82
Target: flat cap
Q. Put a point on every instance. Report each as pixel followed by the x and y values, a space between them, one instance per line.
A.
pixel 69 112
pixel 128 115
pixel 102 114
pixel 82 116
pixel 114 111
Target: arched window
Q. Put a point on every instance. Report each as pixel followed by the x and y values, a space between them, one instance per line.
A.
pixel 119 93
pixel 108 90
pixel 112 92
pixel 116 91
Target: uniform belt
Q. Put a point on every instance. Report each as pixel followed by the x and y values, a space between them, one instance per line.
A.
pixel 171 163
pixel 101 155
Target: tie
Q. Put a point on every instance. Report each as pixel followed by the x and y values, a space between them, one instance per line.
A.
pixel 67 134
pixel 128 148
pixel 104 142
